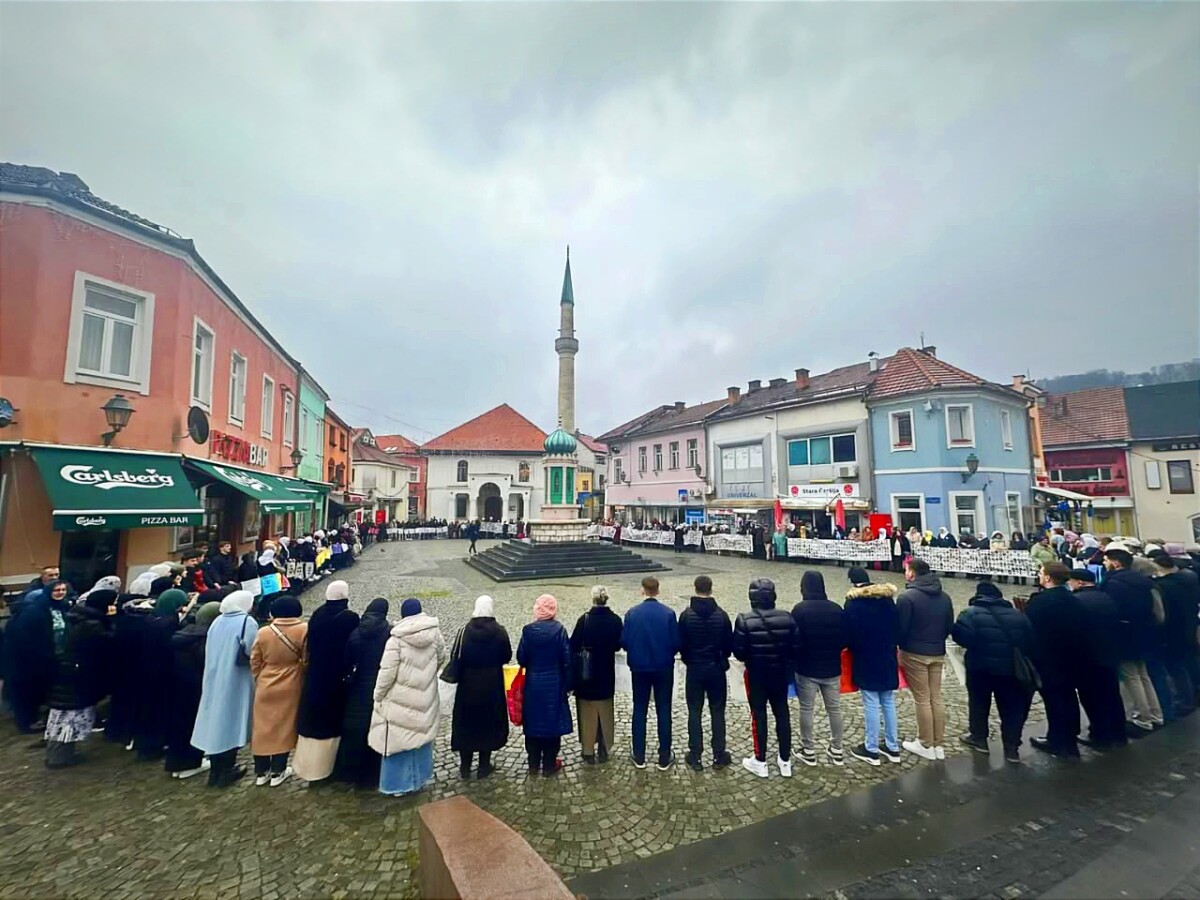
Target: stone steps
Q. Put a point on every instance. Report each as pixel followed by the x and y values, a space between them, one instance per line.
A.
pixel 522 561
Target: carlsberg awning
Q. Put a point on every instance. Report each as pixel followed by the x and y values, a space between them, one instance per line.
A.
pixel 274 494
pixel 109 489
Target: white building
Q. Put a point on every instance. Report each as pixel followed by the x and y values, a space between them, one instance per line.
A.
pixel 380 477
pixel 489 468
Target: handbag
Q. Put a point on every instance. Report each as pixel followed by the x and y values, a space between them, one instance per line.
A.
pixel 516 699
pixel 243 658
pixel 1024 670
pixel 452 671
pixel 584 655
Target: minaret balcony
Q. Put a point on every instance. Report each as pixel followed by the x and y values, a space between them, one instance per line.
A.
pixel 566 345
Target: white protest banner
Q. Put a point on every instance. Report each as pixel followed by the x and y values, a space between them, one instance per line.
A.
pixel 850 551
pixel 735 543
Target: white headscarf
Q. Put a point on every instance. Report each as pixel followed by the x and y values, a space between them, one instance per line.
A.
pixel 238 601
pixel 337 590
pixel 141 585
pixel 267 557
pixel 284 540
pixel 107 583
pixel 485 608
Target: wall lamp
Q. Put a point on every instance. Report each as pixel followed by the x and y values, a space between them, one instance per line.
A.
pixel 972 468
pixel 117 412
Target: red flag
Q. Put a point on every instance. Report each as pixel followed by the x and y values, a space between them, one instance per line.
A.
pixel 778 514
pixel 839 514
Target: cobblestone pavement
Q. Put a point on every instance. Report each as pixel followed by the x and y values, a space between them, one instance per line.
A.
pixel 121 828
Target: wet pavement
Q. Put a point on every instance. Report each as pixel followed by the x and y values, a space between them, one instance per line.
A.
pixel 120 828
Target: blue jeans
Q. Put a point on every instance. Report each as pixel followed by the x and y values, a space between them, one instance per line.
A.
pixel 872 701
pixel 662 684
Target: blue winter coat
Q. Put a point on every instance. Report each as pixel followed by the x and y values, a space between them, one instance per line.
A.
pixel 545 654
pixel 227 695
pixel 872 629
pixel 651 637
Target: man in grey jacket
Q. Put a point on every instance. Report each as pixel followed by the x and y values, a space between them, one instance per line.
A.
pixel 926 619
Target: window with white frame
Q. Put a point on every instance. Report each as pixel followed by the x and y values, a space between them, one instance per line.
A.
pixel 1006 429
pixel 268 406
pixel 109 336
pixel 413 475
pixel 908 511
pixel 617 474
pixel 393 478
pixel 289 418
pixel 1153 475
pixel 674 454
pixel 203 350
pixel 1081 474
pixel 822 451
pixel 900 424
pixel 1179 476
pixel 237 388
pixel 658 457
pixel 462 470
pixel 960 425
pixel 642 459
pixel 967 511
pixel 693 452
pixel 1016 518
pixel 304 428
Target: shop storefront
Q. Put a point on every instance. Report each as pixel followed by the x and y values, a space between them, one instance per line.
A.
pixel 244 506
pixel 94 512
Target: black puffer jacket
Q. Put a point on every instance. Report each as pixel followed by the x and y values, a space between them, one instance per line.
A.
pixel 820 637
pixel 1180 592
pixel 765 638
pixel 705 635
pixel 989 629
pixel 926 616
pixel 81 674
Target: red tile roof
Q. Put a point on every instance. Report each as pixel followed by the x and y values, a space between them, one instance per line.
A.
pixel 396 443
pixel 499 429
pixel 1093 416
pixel 910 371
pixel 366 453
pixel 591 443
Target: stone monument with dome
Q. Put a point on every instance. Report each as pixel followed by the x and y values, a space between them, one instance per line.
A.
pixel 558 543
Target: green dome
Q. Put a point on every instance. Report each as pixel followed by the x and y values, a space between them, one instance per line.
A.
pixel 559 443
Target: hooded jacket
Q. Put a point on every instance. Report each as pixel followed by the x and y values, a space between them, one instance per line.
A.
pixel 989 629
pixel 406 710
pixel 765 639
pixel 926 616
pixel 545 653
pixel 871 629
pixel 820 637
pixel 705 636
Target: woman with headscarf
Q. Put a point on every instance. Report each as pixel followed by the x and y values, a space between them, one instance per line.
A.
pixel 356 762
pixel 107 583
pixel 1018 542
pixel 545 654
pixel 140 586
pixel 596 638
pixel 480 721
pixel 404 722
pixel 323 700
pixel 227 692
pixel 36 638
pixel 152 666
pixel 187 676
pixel 268 574
pixel 901 548
pixel 80 680
pixel 915 539
pixel 277 663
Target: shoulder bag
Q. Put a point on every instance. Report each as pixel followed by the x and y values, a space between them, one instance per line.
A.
pixel 452 671
pixel 287 641
pixel 243 658
pixel 1024 670
pixel 585 654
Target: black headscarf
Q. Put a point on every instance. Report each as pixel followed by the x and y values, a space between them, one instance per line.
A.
pixel 376 609
pixel 285 606
pixel 812 586
pixel 100 601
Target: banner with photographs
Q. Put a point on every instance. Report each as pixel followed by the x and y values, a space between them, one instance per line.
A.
pixel 651 536
pixel 731 543
pixel 302 571
pixel 423 533
pixel 979 562
pixel 848 551
pixel 693 538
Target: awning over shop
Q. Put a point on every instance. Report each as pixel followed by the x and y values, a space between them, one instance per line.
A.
pixel 111 489
pixel 1062 494
pixel 823 503
pixel 274 494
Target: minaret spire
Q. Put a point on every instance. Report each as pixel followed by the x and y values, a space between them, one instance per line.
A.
pixel 566 346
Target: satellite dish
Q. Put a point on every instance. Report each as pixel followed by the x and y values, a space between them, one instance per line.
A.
pixel 197 425
pixel 6 412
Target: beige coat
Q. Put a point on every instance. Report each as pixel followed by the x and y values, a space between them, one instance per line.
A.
pixel 406 692
pixel 278 678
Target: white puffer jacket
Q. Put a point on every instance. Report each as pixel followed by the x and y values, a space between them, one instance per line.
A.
pixel 406 693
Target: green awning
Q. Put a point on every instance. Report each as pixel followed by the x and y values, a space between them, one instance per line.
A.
pixel 274 494
pixel 110 489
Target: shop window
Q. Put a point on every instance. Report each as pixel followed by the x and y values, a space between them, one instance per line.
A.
pixel 109 337
pixel 1081 474
pixel 462 470
pixel 1179 476
pixel 908 511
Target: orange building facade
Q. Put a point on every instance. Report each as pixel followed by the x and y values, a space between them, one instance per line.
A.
pixel 94 303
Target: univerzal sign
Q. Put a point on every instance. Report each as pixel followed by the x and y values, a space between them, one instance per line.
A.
pixel 107 479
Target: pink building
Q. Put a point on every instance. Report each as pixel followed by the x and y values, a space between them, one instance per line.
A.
pixel 657 465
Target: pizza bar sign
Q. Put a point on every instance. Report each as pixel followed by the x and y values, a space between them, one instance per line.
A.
pixel 234 449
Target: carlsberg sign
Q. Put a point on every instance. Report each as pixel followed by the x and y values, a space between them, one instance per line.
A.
pixel 107 479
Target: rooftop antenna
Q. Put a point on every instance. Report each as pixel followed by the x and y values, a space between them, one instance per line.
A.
pixel 922 340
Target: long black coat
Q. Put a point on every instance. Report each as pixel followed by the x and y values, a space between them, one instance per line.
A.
pixel 480 722
pixel 81 674
pixel 154 696
pixel 1141 636
pixel 125 672
pixel 1180 592
pixel 323 700
pixel 187 676
pixel 356 761
pixel 1102 626
pixel 599 629
pixel 1055 614
pixel 30 643
pixel 872 630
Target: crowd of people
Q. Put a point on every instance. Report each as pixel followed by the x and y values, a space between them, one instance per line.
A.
pixel 186 679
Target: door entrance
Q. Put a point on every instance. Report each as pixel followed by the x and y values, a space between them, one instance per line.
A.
pixel 491 504
pixel 86 556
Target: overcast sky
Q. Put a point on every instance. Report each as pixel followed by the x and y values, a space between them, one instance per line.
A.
pixel 746 188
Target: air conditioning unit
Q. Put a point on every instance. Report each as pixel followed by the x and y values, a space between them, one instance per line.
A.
pixel 695 493
pixel 849 470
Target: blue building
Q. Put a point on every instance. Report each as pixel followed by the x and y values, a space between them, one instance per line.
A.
pixel 949 448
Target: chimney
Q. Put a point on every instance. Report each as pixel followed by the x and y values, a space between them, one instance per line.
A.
pixel 931 350
pixel 1018 383
pixel 1062 406
pixel 680 406
pixel 873 361
pixel 778 382
pixel 734 393
pixel 802 379
pixel 755 385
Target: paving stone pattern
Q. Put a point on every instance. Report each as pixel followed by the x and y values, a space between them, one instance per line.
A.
pixel 121 828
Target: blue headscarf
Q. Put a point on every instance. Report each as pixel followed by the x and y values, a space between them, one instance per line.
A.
pixel 410 607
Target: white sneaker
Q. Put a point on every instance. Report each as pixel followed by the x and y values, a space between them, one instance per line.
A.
pixel 835 754
pixel 785 767
pixel 277 780
pixel 205 765
pixel 754 767
pixel 919 749
pixel 940 751
pixel 261 780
